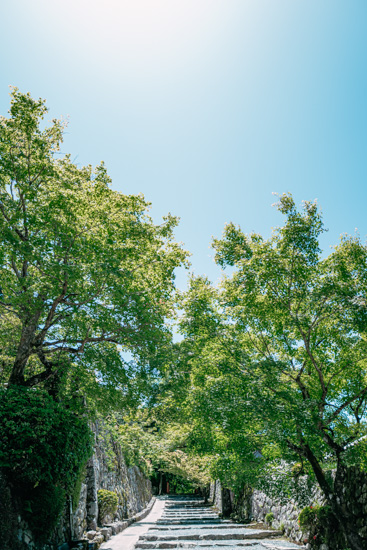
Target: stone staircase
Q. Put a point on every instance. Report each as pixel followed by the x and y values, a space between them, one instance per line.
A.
pixel 187 522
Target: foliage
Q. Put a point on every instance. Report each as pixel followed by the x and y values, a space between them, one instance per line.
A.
pixel 75 496
pixel 47 444
pixel 297 469
pixel 162 446
pixel 298 325
pixel 86 275
pixel 207 398
pixel 155 447
pixel 107 504
pixel 309 516
pixel 8 517
pixel 43 509
pixel 269 518
pixel 276 358
pixel 86 289
pixel 43 447
pixel 180 485
pixel 272 365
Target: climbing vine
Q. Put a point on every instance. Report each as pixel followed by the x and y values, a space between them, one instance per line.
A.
pixel 43 447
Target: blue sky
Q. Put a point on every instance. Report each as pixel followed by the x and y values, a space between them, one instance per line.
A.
pixel 205 106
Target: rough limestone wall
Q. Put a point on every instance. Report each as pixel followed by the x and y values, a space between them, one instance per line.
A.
pixel 216 495
pixel 285 513
pixel 354 490
pixel 106 469
pixel 212 492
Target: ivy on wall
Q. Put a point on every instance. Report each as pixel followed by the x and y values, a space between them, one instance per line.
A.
pixel 43 446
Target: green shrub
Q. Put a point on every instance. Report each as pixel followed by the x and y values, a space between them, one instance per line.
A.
pixel 43 447
pixel 107 504
pixel 308 517
pixel 269 518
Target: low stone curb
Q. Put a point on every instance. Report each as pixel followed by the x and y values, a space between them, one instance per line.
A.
pixel 145 512
pixel 96 538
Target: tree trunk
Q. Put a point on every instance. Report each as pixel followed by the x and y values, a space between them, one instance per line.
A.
pixel 355 541
pixel 24 350
pixel 345 510
pixel 335 494
pixel 348 527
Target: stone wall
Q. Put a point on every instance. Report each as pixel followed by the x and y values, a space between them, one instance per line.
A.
pixel 285 513
pixel 106 469
pixel 221 498
pixel 257 504
pixel 215 495
pixel 352 486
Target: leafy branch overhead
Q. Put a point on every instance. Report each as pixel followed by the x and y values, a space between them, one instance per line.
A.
pixel 276 357
pixel 272 364
pixel 82 265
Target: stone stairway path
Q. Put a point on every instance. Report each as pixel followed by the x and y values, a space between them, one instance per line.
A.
pixel 186 523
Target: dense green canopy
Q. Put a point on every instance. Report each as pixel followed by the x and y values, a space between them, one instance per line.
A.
pixel 274 361
pixel 272 364
pixel 85 273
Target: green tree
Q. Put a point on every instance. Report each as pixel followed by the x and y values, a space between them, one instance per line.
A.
pixel 296 330
pixel 214 397
pixel 85 273
pixel 160 445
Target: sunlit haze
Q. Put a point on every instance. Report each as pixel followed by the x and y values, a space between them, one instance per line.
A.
pixel 205 107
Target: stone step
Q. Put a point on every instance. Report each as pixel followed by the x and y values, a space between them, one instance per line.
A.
pixel 202 534
pixel 219 525
pixel 189 511
pixel 213 516
pixel 190 514
pixel 250 544
pixel 187 504
pixel 189 507
pixel 190 524
pixel 185 518
pixel 188 520
pixel 213 521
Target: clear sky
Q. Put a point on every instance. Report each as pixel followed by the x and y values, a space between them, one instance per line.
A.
pixel 205 106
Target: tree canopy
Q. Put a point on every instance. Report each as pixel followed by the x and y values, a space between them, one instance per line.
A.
pixel 272 364
pixel 299 322
pixel 276 356
pixel 85 273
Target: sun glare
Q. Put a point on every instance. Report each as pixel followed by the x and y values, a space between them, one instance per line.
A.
pixel 138 32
